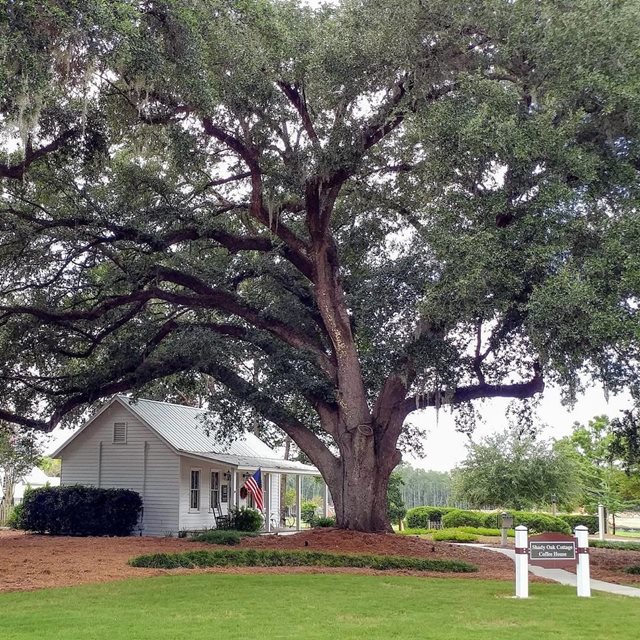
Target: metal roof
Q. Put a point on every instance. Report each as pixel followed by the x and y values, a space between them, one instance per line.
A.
pixel 185 429
pixel 276 465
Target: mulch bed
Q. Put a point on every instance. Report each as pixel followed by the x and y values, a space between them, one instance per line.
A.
pixel 30 561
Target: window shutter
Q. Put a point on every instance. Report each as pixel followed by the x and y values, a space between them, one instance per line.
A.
pixel 120 433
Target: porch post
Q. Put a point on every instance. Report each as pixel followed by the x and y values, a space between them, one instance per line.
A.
pixel 298 502
pixel 233 498
pixel 267 500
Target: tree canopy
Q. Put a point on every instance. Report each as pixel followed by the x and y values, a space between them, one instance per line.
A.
pixel 337 215
pixel 601 457
pixel 515 470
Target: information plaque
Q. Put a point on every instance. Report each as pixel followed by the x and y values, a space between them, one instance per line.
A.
pixel 553 550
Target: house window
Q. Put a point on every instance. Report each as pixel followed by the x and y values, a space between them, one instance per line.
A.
pixel 194 490
pixel 224 493
pixel 214 496
pixel 119 433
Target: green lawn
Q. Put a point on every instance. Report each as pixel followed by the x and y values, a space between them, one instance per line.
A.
pixel 309 607
pixel 628 534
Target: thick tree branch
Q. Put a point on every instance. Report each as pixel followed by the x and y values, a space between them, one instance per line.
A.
pixel 298 248
pixel 300 106
pixel 269 409
pixel 17 171
pixel 225 301
pixel 520 390
pixel 235 144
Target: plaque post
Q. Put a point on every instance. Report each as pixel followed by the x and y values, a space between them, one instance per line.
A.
pixel 582 570
pixel 522 562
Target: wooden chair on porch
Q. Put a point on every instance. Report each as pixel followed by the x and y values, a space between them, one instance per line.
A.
pixel 222 521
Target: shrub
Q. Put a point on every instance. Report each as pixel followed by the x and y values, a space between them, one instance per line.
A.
pixel 485 531
pixel 419 517
pixel 277 558
pixel 323 522
pixel 492 520
pixel 246 519
pixel 540 522
pixel 459 518
pixel 633 569
pixel 415 532
pixel 453 535
pixel 619 546
pixel 218 536
pixel 15 519
pixel 308 511
pixel 81 511
pixel 573 520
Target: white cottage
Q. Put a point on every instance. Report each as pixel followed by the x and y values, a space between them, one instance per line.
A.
pixel 186 479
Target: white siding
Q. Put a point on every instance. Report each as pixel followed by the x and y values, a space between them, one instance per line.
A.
pixel 202 518
pixel 93 459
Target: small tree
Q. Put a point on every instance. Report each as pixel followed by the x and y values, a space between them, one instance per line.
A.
pixel 515 471
pixel 396 508
pixel 608 493
pixel 18 455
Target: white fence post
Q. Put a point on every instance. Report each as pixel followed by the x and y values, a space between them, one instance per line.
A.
pixel 582 570
pixel 522 562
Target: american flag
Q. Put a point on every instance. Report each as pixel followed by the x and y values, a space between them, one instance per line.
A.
pixel 253 485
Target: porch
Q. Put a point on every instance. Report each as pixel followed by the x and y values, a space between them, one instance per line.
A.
pixel 286 485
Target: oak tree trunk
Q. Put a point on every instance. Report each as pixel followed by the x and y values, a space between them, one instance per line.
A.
pixel 368 456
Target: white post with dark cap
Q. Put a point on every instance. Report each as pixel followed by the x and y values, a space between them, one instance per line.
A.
pixel 522 562
pixel 582 570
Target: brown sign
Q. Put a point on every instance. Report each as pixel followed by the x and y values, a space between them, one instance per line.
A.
pixel 553 550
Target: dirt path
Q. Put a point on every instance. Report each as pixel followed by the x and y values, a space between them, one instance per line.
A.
pixel 33 562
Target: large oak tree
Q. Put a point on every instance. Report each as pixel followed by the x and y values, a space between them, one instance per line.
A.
pixel 339 216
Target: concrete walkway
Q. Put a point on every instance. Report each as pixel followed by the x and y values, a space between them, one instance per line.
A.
pixel 566 577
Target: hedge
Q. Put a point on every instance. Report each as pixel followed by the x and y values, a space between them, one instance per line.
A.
pixel 487 531
pixel 419 517
pixel 573 520
pixel 459 518
pixel 277 558
pixel 539 522
pixel 80 511
pixel 453 535
pixel 415 532
pixel 493 520
pixel 221 536
pixel 619 546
